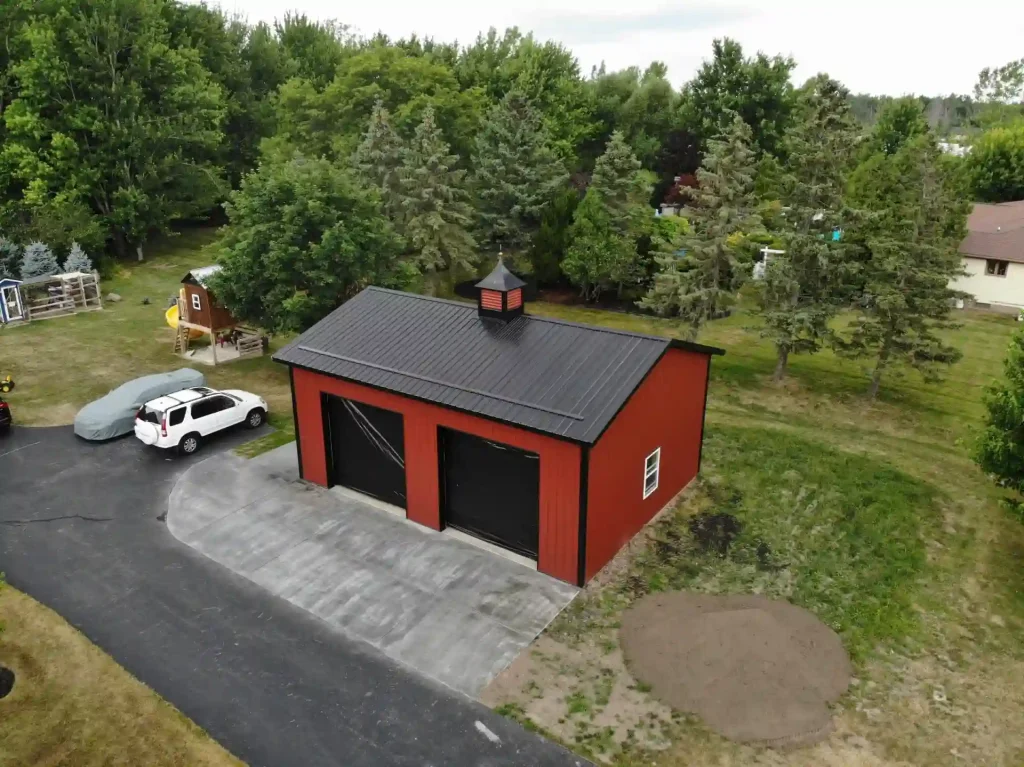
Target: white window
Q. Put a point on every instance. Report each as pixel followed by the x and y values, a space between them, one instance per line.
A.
pixel 195 302
pixel 651 468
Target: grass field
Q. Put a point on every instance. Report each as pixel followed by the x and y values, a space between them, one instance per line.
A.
pixel 73 705
pixel 872 514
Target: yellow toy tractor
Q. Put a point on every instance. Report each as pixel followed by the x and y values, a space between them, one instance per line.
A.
pixel 6 384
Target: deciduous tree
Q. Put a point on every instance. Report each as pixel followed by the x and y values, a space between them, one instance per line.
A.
pixel 111 114
pixel 722 210
pixel 599 253
pixel 303 236
pixel 995 165
pixel 1000 447
pixel 756 88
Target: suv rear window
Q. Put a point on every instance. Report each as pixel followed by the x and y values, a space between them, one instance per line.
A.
pixel 149 415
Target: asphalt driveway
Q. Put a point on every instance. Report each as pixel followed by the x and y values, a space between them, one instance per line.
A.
pixel 81 530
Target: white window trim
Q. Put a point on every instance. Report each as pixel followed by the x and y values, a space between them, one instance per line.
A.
pixel 654 471
pixel 196 304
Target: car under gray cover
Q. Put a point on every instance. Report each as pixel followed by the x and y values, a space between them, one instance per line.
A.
pixel 114 414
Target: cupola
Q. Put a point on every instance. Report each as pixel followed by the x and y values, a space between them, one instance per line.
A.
pixel 500 294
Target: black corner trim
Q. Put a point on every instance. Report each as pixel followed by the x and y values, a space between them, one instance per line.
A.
pixel 581 545
pixel 690 346
pixel 325 415
pixel 295 419
pixel 704 415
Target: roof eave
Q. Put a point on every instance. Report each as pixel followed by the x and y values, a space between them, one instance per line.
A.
pixel 692 346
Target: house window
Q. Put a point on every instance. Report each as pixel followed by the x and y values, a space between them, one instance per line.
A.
pixel 652 466
pixel 996 268
pixel 195 302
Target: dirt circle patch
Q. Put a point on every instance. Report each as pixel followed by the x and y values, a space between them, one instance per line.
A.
pixel 6 681
pixel 756 670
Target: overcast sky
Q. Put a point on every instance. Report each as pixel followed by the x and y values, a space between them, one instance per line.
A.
pixel 891 47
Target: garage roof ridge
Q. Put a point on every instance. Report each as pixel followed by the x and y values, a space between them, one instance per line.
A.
pixel 677 343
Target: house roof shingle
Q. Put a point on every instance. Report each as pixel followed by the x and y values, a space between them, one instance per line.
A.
pixel 555 377
pixel 995 231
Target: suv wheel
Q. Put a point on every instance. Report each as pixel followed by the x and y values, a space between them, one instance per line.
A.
pixel 189 444
pixel 255 419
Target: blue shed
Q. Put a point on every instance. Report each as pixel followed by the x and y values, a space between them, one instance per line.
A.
pixel 11 307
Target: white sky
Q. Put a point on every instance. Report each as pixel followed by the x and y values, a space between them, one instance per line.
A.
pixel 897 47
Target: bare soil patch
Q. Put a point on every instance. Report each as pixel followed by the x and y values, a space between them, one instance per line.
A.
pixel 754 669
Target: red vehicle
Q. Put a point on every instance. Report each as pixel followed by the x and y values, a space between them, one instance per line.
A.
pixel 5 416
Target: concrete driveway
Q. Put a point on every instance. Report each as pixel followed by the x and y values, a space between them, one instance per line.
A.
pixel 439 605
pixel 80 532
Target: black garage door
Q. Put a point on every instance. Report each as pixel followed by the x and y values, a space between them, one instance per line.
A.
pixel 491 490
pixel 366 449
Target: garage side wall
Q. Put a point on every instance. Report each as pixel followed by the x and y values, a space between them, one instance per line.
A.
pixel 667 411
pixel 559 461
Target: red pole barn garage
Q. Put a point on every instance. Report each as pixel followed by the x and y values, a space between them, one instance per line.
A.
pixel 555 440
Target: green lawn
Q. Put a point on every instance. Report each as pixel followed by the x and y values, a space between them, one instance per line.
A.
pixel 871 514
pixel 61 364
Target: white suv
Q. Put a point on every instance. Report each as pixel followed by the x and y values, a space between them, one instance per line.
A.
pixel 183 419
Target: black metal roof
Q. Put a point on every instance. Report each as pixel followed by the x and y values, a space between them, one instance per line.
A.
pixel 500 279
pixel 556 377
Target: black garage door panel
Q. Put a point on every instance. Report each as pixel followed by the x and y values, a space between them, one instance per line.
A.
pixel 367 449
pixel 491 490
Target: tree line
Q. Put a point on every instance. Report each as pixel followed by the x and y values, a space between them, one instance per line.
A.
pixel 338 161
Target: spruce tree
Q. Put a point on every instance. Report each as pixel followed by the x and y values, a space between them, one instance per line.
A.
pixel 916 221
pixel 621 190
pixel 624 188
pixel 802 287
pixel 77 260
pixel 697 285
pixel 378 157
pixel 433 213
pixel 38 261
pixel 10 258
pixel 516 174
pixel 598 251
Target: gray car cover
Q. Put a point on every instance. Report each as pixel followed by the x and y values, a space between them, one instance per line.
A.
pixel 114 414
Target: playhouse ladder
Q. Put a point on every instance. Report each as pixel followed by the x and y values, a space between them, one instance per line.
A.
pixel 181 339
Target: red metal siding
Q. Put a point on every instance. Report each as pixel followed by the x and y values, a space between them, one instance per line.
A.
pixel 559 461
pixel 667 411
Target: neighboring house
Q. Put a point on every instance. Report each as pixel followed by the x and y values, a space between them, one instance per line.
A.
pixel 553 440
pixel 993 256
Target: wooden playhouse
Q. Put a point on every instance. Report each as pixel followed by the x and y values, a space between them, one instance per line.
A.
pixel 197 313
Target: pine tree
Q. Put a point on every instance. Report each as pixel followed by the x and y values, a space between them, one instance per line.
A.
pixel 77 260
pixel 916 223
pixel 722 210
pixel 433 213
pixel 38 261
pixel 10 258
pixel 516 174
pixel 801 288
pixel 378 157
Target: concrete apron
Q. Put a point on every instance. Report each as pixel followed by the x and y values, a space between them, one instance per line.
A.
pixel 443 607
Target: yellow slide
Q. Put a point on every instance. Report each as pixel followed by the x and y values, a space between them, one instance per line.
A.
pixel 172 320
